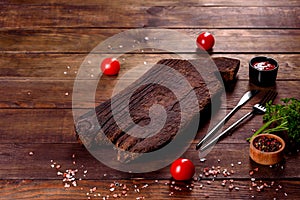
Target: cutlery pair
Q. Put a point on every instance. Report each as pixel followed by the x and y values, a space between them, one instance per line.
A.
pixel 258 108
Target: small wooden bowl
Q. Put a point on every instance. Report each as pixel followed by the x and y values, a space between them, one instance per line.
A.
pixel 267 158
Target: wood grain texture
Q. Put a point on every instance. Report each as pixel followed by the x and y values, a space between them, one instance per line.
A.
pixel 53 66
pixel 37 126
pixel 52 93
pixel 61 128
pixel 83 40
pixel 26 189
pixel 16 163
pixel 188 3
pixel 115 14
pixel 40 39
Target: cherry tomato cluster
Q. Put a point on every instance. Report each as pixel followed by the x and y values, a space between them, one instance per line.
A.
pixel 111 66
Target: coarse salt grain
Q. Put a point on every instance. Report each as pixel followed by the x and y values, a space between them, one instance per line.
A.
pixel 67 185
pixel 65 73
pixel 74 183
pixel 30 153
pixel 202 159
pixel 67 93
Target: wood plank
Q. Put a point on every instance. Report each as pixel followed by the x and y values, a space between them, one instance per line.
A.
pixel 36 93
pixel 61 128
pixel 115 14
pixel 16 163
pixel 83 40
pixel 52 190
pixel 54 65
pixel 37 126
pixel 189 3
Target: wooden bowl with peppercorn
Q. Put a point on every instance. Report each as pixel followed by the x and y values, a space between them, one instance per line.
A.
pixel 267 149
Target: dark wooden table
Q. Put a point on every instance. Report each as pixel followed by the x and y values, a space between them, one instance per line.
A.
pixel 43 45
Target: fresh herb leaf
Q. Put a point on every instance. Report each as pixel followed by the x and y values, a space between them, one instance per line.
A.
pixel 282 117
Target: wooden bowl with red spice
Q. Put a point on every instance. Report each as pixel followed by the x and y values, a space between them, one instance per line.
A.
pixel 267 149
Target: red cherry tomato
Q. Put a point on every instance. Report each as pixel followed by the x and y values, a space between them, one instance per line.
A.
pixel 110 66
pixel 182 169
pixel 205 40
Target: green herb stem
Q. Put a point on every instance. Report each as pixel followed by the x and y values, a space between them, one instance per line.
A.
pixel 282 117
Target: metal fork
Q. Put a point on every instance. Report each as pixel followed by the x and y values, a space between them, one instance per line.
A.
pixel 257 109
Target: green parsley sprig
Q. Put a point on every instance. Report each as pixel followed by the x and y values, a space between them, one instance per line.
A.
pixel 282 117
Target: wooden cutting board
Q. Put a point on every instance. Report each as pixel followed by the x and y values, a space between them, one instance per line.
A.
pixel 150 90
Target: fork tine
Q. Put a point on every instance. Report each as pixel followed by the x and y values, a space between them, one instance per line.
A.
pixel 269 96
pixel 265 97
pixel 273 96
